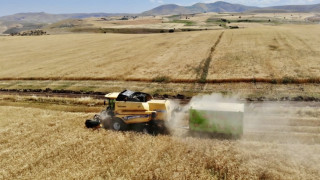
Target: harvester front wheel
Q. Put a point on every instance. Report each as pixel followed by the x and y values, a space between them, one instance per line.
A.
pixel 106 123
pixel 117 124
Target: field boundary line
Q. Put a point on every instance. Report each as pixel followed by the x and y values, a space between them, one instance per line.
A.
pixel 283 80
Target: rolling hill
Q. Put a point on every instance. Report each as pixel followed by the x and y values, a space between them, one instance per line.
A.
pixel 221 6
pixel 27 21
pixel 41 17
pixel 298 8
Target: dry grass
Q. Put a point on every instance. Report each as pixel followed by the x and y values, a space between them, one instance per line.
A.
pixel 44 144
pixel 53 100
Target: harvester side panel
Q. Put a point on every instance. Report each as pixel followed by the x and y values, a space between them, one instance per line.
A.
pixel 138 118
pixel 131 106
pixel 161 107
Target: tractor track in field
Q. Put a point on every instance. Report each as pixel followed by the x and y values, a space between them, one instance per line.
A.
pixel 283 80
pixel 204 65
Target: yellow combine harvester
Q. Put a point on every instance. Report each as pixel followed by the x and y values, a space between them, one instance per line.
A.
pixel 133 110
pixel 140 112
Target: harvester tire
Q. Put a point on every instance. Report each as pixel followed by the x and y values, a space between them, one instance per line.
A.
pixel 117 124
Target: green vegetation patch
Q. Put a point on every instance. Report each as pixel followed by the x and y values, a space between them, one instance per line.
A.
pixel 163 79
pixel 223 22
pixel 185 22
pixel 174 16
pixel 25 27
pixel 217 21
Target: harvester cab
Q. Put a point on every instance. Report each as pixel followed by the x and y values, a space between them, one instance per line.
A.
pixel 110 102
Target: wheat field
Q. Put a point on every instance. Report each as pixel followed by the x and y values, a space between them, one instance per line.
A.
pixel 44 144
pixel 256 52
pixel 268 52
pixel 105 55
pixel 45 137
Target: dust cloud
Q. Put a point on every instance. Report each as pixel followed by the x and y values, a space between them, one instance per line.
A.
pixel 180 113
pixel 280 139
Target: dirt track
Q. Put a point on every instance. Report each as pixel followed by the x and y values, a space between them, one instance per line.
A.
pixel 77 94
pixel 50 93
pixel 100 95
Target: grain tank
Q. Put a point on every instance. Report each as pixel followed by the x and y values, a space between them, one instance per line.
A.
pixel 219 118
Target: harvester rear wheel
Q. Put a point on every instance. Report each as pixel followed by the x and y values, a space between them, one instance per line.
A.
pixel 141 127
pixel 158 127
pixel 117 124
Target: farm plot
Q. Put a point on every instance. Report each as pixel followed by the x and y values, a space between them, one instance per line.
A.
pixel 114 56
pixel 42 144
pixel 268 52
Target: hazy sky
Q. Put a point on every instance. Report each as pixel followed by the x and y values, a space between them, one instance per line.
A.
pixel 8 7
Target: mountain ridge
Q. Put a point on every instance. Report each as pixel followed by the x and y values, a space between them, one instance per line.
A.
pixel 218 6
pixel 166 9
pixel 221 6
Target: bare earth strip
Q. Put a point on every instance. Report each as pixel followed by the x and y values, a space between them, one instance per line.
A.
pixel 249 90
